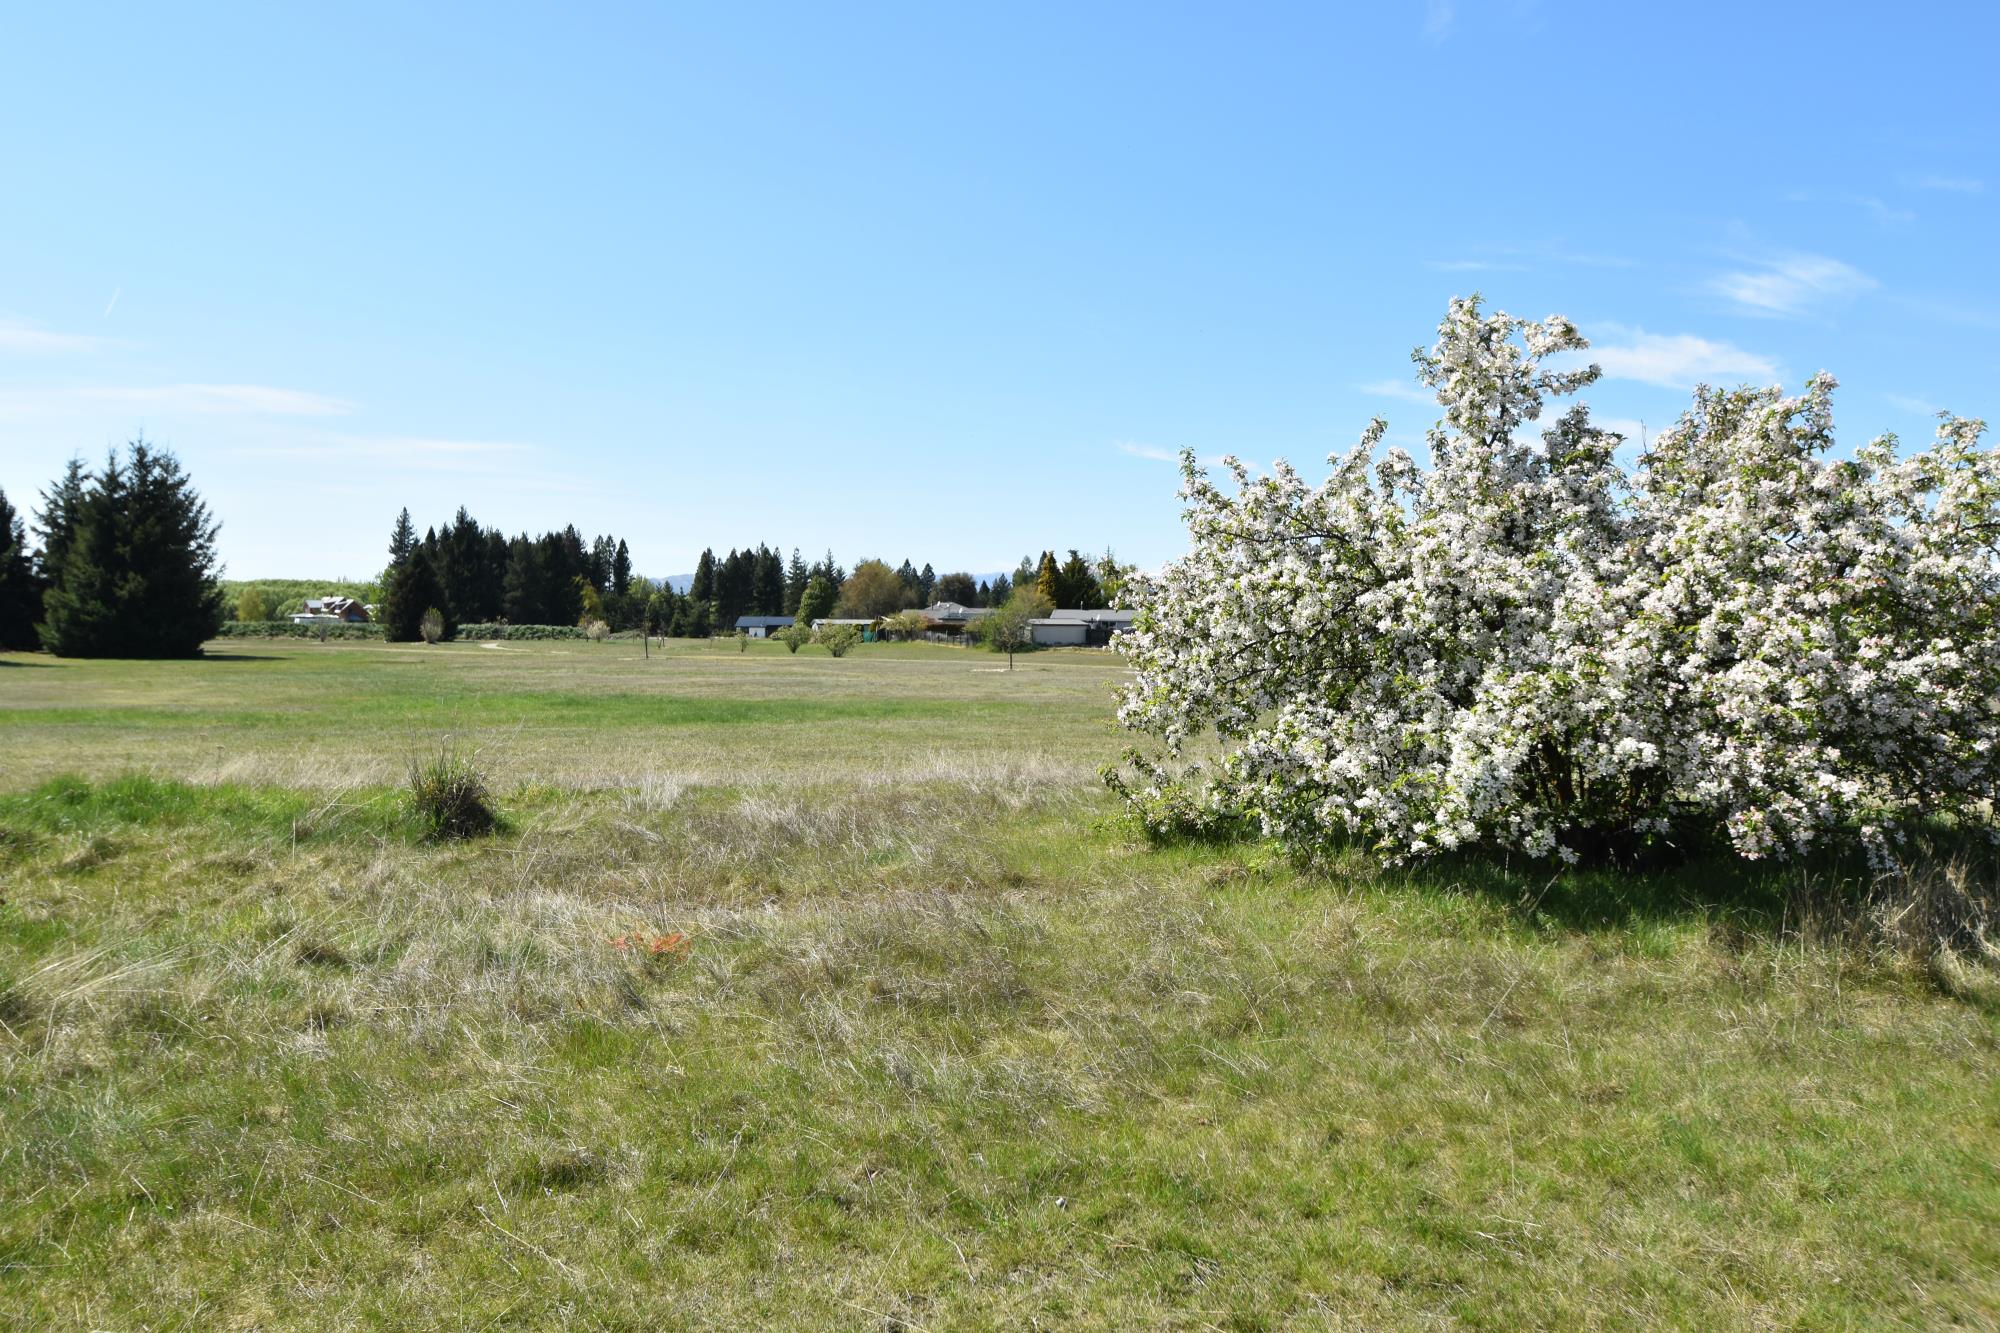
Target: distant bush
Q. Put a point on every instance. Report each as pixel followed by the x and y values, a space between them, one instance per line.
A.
pixel 431 625
pixel 795 635
pixel 837 639
pixel 449 797
pixel 597 631
pixel 285 629
pixel 521 632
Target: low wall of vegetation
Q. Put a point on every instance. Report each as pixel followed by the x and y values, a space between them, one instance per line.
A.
pixel 285 629
pixel 521 632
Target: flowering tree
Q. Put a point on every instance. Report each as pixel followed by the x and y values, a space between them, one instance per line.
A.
pixel 1525 647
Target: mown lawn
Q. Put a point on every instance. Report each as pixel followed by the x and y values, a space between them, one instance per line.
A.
pixel 945 1046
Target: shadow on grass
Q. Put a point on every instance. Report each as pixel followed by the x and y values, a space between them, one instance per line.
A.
pixel 16 662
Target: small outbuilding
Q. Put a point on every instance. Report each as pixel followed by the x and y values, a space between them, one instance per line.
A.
pixel 1099 626
pixel 1049 632
pixel 763 627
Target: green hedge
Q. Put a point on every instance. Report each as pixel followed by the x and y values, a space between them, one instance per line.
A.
pixel 521 632
pixel 285 629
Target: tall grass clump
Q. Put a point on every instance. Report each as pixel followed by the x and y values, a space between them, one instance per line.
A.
pixel 449 797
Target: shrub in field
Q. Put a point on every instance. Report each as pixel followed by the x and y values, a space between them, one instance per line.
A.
pixel 795 635
pixel 520 632
pixel 907 624
pixel 1524 647
pixel 597 631
pixel 837 639
pixel 449 796
pixel 431 626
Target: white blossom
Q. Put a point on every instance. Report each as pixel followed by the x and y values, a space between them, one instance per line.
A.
pixel 1524 647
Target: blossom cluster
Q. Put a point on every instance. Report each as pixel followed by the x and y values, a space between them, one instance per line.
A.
pixel 1523 645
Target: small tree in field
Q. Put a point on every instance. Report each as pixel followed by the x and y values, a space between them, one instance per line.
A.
pixel 1011 626
pixel 837 639
pixel 743 641
pixel 1523 647
pixel 597 631
pixel 431 626
pixel 795 635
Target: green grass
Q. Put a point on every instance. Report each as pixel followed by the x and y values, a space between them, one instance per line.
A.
pixel 950 1047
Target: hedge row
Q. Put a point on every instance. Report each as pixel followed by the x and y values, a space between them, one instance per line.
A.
pixel 520 632
pixel 285 629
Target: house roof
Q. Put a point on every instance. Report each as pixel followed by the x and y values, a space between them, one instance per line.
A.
pixel 954 611
pixel 1099 617
pixel 763 622
pixel 846 620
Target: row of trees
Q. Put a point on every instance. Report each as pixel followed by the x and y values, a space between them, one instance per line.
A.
pixel 469 573
pixel 126 566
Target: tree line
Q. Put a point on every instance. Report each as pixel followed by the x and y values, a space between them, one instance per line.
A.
pixel 127 567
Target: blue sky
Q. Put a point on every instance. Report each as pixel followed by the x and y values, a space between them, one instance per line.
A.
pixel 939 281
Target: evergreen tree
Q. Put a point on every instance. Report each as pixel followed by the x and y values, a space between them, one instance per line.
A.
pixel 62 506
pixel 796 578
pixel 767 584
pixel 906 574
pixel 20 587
pixel 1048 579
pixel 816 602
pixel 1078 585
pixel 621 570
pixel 997 593
pixel 137 577
pixel 403 539
pixel 414 588
pixel 702 589
pixel 521 596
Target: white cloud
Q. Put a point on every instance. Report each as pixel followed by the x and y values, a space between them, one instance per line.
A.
pixel 1407 390
pixel 1674 361
pixel 1911 403
pixel 18 335
pixel 1439 17
pixel 1950 184
pixel 1152 451
pixel 222 399
pixel 1791 284
pixel 410 451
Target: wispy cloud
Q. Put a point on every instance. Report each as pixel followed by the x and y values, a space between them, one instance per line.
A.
pixel 1911 403
pixel 1791 284
pixel 413 452
pixel 1152 451
pixel 1407 390
pixel 222 399
pixel 1674 361
pixel 1440 16
pixel 1475 266
pixel 19 335
pixel 1949 184
pixel 116 292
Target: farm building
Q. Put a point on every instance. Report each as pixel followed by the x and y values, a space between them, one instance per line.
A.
pixel 331 611
pixel 763 627
pixel 1095 628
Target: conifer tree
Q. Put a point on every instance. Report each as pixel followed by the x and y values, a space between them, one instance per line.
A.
pixel 402 538
pixel 796 578
pixel 62 504
pixel 1048 579
pixel 137 576
pixel 414 588
pixel 1078 585
pixel 926 583
pixel 20 588
pixel 621 570
pixel 767 597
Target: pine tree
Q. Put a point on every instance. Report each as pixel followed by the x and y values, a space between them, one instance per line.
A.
pixel 767 580
pixel 402 540
pixel 997 593
pixel 926 583
pixel 137 577
pixel 62 505
pixel 796 578
pixel 702 589
pixel 20 588
pixel 414 588
pixel 1048 579
pixel 1078 585
pixel 621 570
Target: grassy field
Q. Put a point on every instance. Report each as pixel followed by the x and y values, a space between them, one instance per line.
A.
pixel 930 1041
